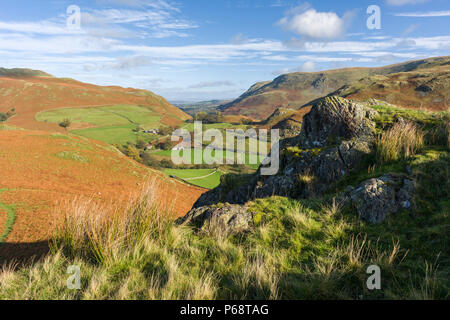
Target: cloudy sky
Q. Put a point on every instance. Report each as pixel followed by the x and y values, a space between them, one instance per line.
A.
pixel 205 49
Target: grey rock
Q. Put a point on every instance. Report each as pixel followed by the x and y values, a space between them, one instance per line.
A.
pixel 378 198
pixel 219 221
pixel 281 185
pixel 335 117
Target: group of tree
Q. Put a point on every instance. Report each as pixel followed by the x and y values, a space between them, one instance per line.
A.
pixel 166 131
pixel 6 115
pixel 66 123
pixel 216 117
pixel 246 121
pixel 138 152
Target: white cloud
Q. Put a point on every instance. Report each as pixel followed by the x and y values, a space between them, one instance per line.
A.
pixel 276 58
pixel 428 14
pixel 313 24
pixel 315 58
pixel 308 66
pixel 156 20
pixel 239 39
pixel 403 2
pixel 123 63
pixel 410 29
pixel 211 84
pixel 155 4
pixel 42 27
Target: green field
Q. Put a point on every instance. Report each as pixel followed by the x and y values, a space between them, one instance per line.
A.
pixel 10 220
pixel 221 126
pixel 168 154
pixel 191 175
pixel 114 135
pixel 113 124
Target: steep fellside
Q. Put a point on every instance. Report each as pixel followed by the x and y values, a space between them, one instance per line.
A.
pixel 30 92
pixel 295 90
pixel 424 89
pixel 288 121
pixel 44 172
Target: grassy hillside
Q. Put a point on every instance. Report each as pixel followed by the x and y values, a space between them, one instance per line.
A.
pixel 111 124
pixel 315 248
pixel 424 89
pixel 295 90
pixel 205 178
pixel 42 172
pixel 32 95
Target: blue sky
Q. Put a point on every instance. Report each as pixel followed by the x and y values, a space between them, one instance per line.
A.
pixel 205 49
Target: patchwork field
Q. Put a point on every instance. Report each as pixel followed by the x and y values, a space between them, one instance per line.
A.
pixel 42 172
pixel 110 124
pixel 167 154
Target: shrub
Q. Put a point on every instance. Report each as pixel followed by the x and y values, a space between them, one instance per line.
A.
pixel 402 140
pixel 149 160
pixel 232 181
pixel 141 143
pixel 7 115
pixel 167 164
pixel 166 131
pixel 133 152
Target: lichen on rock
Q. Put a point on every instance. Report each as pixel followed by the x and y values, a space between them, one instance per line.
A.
pixel 376 199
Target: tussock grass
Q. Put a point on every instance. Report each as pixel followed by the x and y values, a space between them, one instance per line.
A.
pixel 440 134
pixel 403 140
pixel 299 249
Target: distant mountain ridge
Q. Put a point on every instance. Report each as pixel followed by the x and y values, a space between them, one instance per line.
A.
pixel 295 90
pixel 22 73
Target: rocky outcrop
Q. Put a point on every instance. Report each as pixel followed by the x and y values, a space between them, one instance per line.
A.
pixel 335 136
pixel 219 220
pixel 335 118
pixel 376 199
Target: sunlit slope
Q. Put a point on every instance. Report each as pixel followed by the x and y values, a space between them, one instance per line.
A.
pixel 426 89
pixel 116 124
pixel 30 95
pixel 403 86
pixel 41 171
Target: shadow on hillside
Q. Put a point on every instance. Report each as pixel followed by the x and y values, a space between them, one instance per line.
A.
pixel 22 254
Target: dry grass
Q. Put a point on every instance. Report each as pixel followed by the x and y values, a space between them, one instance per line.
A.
pixel 105 230
pixel 403 140
pixel 440 135
pixel 307 181
pixel 136 252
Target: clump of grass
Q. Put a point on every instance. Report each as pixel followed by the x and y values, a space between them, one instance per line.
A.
pixel 306 182
pixel 105 231
pixel 440 135
pixel 403 140
pixel 74 156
